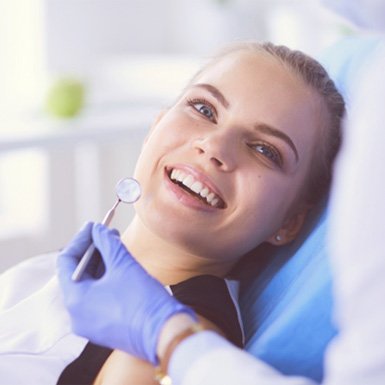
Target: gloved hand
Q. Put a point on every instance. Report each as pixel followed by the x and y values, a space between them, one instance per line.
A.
pixel 124 309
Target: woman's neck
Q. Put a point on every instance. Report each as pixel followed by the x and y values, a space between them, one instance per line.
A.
pixel 164 260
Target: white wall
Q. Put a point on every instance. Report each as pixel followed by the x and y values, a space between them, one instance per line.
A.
pixel 53 184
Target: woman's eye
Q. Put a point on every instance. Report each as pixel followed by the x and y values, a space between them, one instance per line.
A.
pixel 203 107
pixel 204 110
pixel 269 152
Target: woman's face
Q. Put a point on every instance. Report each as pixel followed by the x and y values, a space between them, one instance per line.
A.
pixel 220 170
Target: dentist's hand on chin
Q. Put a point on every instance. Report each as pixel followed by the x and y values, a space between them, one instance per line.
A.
pixel 126 308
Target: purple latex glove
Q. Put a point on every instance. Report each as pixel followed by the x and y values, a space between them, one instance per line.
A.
pixel 124 309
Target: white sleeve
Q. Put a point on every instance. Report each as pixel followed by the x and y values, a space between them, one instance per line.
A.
pixel 357 239
pixel 208 359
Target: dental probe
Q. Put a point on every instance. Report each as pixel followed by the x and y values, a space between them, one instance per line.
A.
pixel 127 191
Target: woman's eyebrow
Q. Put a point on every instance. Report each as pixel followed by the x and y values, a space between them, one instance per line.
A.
pixel 214 92
pixel 261 127
pixel 266 129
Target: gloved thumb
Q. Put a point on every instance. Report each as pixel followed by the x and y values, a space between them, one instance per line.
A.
pixel 110 246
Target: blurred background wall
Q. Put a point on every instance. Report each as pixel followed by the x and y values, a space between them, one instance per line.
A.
pixel 128 58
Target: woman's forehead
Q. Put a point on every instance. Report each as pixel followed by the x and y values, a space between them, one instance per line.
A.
pixel 251 73
pixel 241 60
pixel 258 81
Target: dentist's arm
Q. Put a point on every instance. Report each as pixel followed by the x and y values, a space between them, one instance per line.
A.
pixel 206 358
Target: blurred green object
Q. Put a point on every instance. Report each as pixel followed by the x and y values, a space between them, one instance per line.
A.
pixel 65 98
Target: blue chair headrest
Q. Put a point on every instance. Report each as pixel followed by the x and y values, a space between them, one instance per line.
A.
pixel 286 296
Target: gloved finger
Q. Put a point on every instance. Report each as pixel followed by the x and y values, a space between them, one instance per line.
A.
pixel 109 244
pixel 80 242
pixel 96 267
pixel 70 256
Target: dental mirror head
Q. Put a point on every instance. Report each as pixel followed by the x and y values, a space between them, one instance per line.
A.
pixel 128 190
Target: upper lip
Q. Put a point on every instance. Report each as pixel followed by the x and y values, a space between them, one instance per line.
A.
pixel 198 175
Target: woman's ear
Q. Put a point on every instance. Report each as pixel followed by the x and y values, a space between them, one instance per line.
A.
pixel 289 231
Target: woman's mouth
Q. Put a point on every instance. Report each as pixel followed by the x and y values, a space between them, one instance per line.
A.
pixel 196 188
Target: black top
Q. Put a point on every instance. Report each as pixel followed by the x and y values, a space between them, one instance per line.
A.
pixel 206 294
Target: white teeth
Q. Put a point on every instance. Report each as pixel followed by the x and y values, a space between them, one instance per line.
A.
pixel 180 176
pixel 204 192
pixel 214 202
pixel 195 186
pixel 210 197
pixel 188 181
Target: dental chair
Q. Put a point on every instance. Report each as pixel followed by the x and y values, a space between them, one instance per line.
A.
pixel 286 292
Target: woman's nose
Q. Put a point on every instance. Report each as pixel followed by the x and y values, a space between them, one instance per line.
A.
pixel 218 148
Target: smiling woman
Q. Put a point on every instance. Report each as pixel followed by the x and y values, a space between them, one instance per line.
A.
pixel 229 166
pixel 238 160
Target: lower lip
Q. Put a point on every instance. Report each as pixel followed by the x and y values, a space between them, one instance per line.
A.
pixel 185 198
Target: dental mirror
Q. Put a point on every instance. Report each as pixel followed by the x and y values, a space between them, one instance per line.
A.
pixel 127 191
